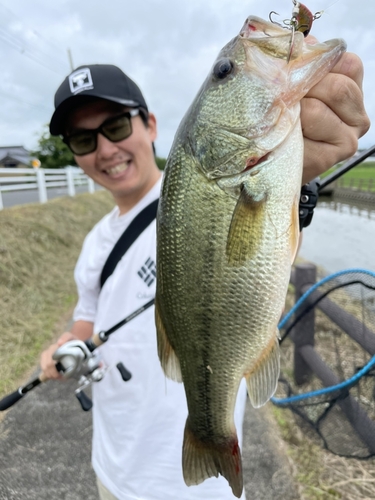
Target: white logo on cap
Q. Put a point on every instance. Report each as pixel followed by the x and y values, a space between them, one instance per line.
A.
pixel 80 80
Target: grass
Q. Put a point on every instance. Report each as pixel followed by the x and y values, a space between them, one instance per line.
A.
pixel 319 474
pixel 360 177
pixel 39 245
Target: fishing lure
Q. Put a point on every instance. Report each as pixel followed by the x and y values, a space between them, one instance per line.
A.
pixel 301 20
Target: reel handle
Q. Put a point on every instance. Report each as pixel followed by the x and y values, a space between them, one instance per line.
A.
pixel 125 374
pixel 84 400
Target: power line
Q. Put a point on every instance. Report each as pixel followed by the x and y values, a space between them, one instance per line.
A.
pixel 34 52
pixel 22 101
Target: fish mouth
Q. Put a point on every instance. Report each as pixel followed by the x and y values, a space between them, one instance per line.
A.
pixel 271 39
pixel 255 27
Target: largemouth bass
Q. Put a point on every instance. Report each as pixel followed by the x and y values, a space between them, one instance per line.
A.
pixel 227 232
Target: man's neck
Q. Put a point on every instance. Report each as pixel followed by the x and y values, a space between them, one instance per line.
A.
pixel 128 202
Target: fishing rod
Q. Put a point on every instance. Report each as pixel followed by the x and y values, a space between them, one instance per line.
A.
pixel 75 359
pixel 310 192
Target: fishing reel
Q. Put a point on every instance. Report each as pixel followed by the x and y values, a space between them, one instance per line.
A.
pixel 75 360
pixel 307 202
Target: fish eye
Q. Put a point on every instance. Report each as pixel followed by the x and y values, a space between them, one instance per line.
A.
pixel 223 68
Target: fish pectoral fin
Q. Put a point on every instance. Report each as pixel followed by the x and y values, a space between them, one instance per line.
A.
pixel 246 228
pixel 262 379
pixel 168 358
pixel 202 459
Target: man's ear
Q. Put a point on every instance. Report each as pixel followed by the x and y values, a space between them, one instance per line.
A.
pixel 152 127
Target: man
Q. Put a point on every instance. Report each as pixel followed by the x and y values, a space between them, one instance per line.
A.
pixel 138 425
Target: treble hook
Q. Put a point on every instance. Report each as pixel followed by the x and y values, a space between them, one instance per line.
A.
pixel 273 21
pixel 293 27
pixel 300 20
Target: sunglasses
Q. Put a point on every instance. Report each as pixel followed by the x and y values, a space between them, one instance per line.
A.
pixel 114 129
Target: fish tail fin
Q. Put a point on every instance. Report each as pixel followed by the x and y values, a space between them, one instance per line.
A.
pixel 263 377
pixel 201 460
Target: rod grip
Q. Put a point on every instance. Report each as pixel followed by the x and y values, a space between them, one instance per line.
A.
pixel 10 400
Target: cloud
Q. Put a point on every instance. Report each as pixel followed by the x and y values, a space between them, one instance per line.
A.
pixel 167 46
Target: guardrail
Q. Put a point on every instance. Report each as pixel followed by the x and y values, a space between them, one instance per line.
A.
pixel 20 179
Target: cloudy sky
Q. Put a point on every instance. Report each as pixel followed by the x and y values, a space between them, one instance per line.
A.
pixel 166 46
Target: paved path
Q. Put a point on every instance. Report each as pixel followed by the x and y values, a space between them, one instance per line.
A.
pixel 45 445
pixel 12 198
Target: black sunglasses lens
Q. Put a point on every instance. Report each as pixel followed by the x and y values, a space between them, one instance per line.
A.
pixel 117 129
pixel 82 143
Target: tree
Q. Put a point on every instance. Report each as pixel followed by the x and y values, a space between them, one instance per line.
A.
pixel 53 152
pixel 160 162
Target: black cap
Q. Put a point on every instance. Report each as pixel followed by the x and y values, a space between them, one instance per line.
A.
pixel 102 81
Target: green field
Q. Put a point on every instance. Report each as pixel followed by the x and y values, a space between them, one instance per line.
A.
pixel 360 177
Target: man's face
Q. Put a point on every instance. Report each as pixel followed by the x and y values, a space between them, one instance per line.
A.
pixel 126 168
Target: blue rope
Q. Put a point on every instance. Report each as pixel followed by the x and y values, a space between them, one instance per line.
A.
pixel 314 287
pixel 326 390
pixel 342 385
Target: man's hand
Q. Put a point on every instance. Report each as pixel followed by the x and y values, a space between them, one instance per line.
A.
pixel 81 330
pixel 333 117
pixel 47 363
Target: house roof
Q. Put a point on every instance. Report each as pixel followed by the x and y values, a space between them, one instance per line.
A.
pixel 18 153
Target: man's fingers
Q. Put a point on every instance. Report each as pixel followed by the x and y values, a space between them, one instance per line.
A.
pixel 350 65
pixel 343 96
pixel 333 116
pixel 47 364
pixel 321 123
pixel 319 157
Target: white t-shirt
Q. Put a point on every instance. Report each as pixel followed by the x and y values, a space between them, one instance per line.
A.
pixel 138 425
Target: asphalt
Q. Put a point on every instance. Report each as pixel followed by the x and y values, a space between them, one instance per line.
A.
pixel 45 447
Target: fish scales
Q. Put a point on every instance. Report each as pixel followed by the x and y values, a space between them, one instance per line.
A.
pixel 227 235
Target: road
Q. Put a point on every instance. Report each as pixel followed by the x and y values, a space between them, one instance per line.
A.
pixel 13 198
pixel 45 443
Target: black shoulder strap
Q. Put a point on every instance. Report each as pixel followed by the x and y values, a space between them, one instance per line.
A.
pixel 128 237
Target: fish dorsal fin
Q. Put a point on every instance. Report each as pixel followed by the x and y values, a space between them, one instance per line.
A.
pixel 262 378
pixel 246 228
pixel 168 358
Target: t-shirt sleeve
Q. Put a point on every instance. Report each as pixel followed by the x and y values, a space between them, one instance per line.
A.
pixel 87 278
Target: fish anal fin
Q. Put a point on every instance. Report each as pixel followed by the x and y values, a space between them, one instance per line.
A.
pixel 262 379
pixel 246 228
pixel 202 459
pixel 168 358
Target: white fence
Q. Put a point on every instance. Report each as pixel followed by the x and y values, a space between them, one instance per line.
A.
pixel 20 179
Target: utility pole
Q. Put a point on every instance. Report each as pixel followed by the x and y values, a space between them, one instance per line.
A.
pixel 70 60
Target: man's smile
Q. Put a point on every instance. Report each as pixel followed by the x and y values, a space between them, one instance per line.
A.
pixel 117 169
